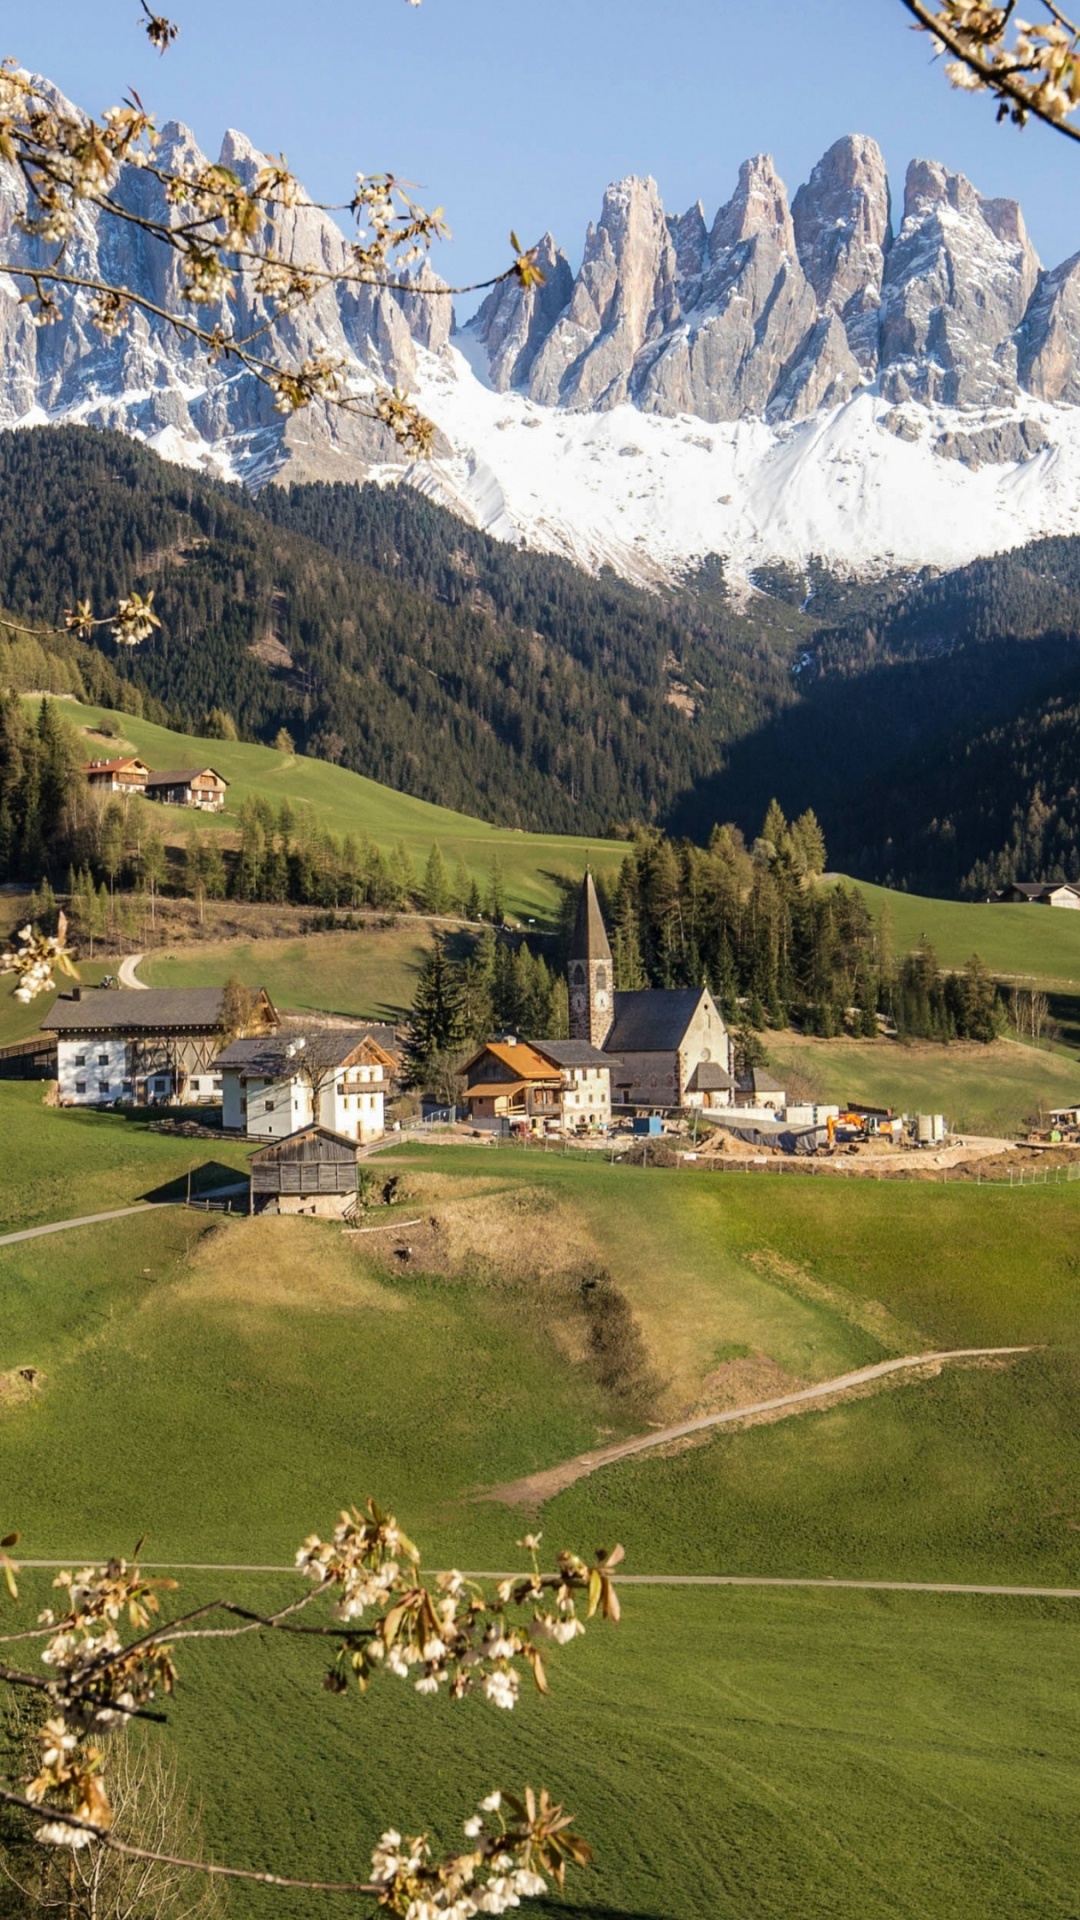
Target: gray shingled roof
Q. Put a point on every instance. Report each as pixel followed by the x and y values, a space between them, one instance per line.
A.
pixel 709 1077
pixel 590 934
pixel 181 776
pixel 267 1054
pixel 653 1020
pixel 572 1053
pixel 760 1080
pixel 134 1010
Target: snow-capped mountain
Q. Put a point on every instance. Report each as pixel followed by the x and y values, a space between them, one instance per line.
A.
pixel 792 380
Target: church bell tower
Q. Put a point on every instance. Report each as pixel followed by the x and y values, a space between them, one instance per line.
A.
pixel 590 972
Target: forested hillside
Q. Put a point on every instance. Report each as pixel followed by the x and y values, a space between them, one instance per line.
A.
pixel 934 733
pixel 931 723
pixel 565 704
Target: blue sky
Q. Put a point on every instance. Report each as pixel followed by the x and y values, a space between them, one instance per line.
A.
pixel 518 112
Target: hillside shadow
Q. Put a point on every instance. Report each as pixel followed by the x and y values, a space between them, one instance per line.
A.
pixel 882 754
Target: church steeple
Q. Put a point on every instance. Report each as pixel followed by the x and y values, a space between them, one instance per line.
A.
pixel 590 971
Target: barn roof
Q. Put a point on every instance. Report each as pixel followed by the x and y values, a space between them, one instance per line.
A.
pixel 653 1020
pixel 115 766
pixel 137 1010
pixel 335 1146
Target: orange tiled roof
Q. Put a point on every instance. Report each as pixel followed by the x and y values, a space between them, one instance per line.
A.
pixel 519 1057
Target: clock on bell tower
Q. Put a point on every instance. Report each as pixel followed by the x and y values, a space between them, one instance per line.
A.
pixel 590 971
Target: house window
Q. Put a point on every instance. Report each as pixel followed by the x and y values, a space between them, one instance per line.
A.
pixel 80 1086
pixel 127 1086
pixel 103 1059
pixel 269 1106
pixel 80 1059
pixel 103 1086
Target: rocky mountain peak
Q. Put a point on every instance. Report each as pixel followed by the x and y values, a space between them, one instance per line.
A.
pixel 957 284
pixel 759 205
pixel 843 231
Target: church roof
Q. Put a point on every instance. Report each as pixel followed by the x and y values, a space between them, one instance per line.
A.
pixel 653 1020
pixel 590 934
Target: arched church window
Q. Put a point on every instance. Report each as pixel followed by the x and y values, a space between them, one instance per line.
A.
pixel 601 977
pixel 579 975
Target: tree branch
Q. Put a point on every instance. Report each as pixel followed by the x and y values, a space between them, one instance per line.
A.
pixel 107 1839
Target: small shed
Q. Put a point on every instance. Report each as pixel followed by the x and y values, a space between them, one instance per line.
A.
pixel 307 1167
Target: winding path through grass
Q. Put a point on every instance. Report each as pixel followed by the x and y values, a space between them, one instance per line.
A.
pixel 535 1488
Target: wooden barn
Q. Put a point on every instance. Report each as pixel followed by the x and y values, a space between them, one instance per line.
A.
pixel 312 1171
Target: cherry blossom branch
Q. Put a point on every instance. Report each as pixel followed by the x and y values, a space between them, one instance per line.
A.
pixel 973 34
pixel 115 1845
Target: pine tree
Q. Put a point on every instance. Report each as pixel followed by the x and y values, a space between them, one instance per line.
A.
pixel 496 905
pixel 435 891
pixel 435 1026
pixel 214 875
pixel 464 886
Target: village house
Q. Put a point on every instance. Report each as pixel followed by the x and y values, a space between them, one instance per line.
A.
pixel 141 1047
pixel 669 1049
pixel 539 1086
pixel 312 1171
pixel 200 787
pixel 289 1081
pixel 1041 893
pixel 118 776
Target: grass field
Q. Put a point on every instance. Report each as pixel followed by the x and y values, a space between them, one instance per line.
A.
pixel 990 1090
pixel 370 974
pixel 747 1755
pixel 58 1165
pixel 1025 945
pixel 346 802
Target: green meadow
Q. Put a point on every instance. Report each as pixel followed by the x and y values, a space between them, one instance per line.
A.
pixel 345 802
pixel 371 974
pixel 227 1384
pixel 1029 946
pixel 993 1089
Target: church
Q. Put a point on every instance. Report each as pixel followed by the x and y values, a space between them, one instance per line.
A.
pixel 668 1047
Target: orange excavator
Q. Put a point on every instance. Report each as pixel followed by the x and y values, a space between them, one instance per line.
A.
pixel 852 1125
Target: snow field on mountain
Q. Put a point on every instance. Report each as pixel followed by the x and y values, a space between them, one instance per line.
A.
pixel 651 495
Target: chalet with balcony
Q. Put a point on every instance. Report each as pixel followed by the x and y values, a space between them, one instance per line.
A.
pixel 125 776
pixel 200 787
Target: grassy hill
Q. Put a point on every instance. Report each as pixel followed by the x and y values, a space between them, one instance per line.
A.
pixel 979 1089
pixel 346 802
pixel 371 975
pixel 1029 946
pixel 230 1383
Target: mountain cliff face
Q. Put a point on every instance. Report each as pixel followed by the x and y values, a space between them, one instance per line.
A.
pixel 792 379
pixel 776 311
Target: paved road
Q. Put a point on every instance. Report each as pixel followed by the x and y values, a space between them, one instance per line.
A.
pixel 237 1188
pixel 535 1488
pixel 128 975
pixel 85 1220
pixel 635 1579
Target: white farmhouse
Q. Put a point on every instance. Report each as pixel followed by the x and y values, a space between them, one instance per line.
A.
pixel 141 1048
pixel 280 1084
